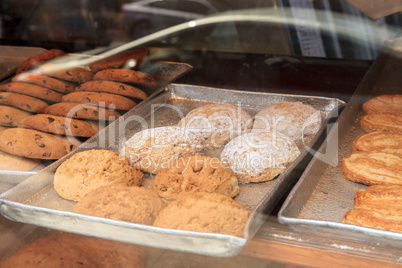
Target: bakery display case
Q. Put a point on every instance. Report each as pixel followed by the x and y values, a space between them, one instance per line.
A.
pixel 140 80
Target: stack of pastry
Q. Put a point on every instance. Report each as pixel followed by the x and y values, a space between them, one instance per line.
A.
pixel 376 161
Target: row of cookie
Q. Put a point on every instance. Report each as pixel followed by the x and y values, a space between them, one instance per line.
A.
pixel 104 184
pixel 23 149
pixel 376 161
pixel 256 150
pixel 50 88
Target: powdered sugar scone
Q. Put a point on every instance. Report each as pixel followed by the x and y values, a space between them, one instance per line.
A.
pixel 155 148
pixel 293 119
pixel 197 173
pixel 259 155
pixel 88 170
pixel 218 123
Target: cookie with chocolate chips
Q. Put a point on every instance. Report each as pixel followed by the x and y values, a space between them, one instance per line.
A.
pixel 61 125
pixel 35 144
pixel 81 111
pixel 23 102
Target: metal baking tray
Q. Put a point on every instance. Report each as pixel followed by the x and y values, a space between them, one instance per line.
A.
pixel 164 72
pixel 322 196
pixel 35 201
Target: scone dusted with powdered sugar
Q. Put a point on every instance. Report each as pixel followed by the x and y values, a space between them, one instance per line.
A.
pixel 259 156
pixel 218 123
pixel 296 120
pixel 156 148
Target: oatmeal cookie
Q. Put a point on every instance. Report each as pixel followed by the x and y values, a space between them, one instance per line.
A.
pixel 204 212
pixel 195 174
pixel 120 202
pixel 87 170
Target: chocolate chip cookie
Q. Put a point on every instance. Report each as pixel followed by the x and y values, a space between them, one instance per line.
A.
pixel 61 125
pixel 34 144
pixel 81 111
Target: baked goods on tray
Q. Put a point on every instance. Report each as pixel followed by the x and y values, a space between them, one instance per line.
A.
pixel 36 60
pixel 45 81
pixel 35 144
pixel 60 125
pixel 204 212
pixel 32 90
pixel 384 104
pixel 218 123
pixel 198 173
pixel 156 148
pixel 379 142
pixel 127 76
pixel 293 119
pixel 130 59
pixel 81 111
pixel 377 206
pixel 121 202
pixel 10 116
pixel 371 168
pixel 14 162
pixel 100 99
pixel 381 123
pixel 88 170
pixel 113 87
pixel 23 102
pixel 259 155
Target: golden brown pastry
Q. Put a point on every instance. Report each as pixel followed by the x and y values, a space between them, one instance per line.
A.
pixel 379 142
pixel 381 123
pixel 379 197
pixel 381 219
pixel 384 104
pixel 372 168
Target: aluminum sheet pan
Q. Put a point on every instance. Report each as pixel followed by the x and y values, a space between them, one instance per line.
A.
pixel 35 201
pixel 164 72
pixel 322 196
